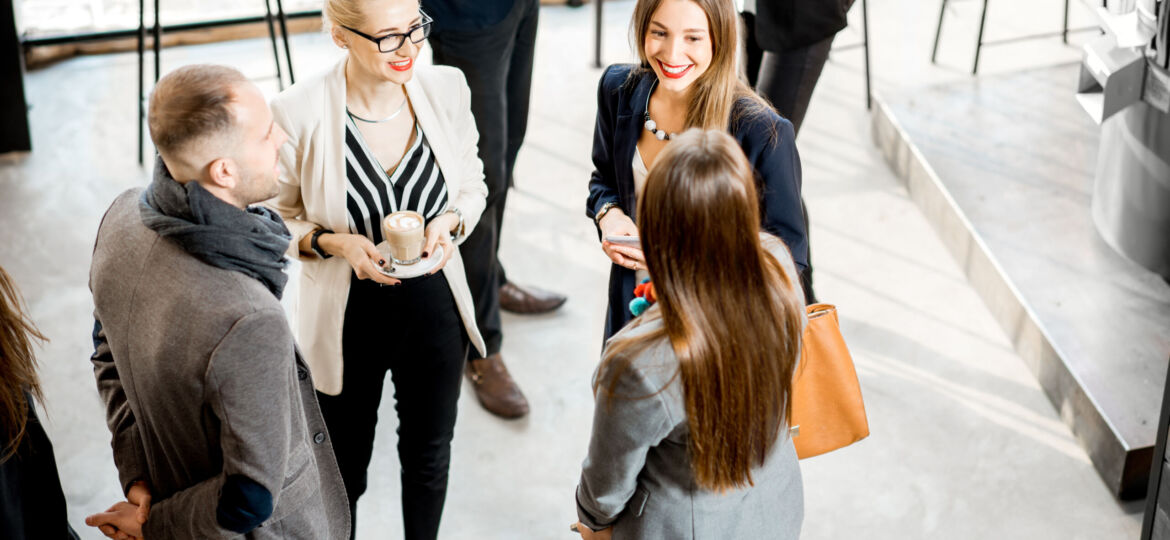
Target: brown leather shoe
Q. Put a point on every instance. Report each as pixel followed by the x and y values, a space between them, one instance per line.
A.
pixel 494 387
pixel 528 300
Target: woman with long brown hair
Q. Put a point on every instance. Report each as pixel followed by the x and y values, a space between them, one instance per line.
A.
pixel 690 431
pixel 32 504
pixel 686 78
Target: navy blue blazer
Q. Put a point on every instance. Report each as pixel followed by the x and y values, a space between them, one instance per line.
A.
pixel 767 139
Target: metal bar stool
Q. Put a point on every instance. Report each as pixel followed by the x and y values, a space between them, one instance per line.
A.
pixel 979 43
pixel 156 34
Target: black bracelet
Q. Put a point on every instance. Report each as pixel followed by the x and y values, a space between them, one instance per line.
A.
pixel 317 247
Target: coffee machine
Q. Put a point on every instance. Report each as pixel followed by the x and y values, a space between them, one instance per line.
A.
pixel 1125 87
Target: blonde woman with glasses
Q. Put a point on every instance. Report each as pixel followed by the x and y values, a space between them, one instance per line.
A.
pixel 374 135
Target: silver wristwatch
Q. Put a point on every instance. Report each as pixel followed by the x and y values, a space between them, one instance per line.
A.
pixel 459 230
pixel 605 208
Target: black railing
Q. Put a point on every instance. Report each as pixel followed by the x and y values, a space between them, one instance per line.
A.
pixel 89 37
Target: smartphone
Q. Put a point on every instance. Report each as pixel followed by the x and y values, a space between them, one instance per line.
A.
pixel 628 241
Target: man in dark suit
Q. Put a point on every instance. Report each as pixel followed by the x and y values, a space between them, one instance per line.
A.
pixel 787 44
pixel 492 42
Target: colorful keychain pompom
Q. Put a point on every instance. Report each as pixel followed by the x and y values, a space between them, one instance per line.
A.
pixel 638 305
pixel 643 297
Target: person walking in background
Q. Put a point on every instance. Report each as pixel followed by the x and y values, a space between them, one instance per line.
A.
pixel 32 505
pixel 686 77
pixel 787 43
pixel 492 42
pixel 211 407
pixel 373 135
pixel 693 398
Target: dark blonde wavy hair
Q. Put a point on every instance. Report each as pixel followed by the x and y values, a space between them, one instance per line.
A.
pixel 730 312
pixel 716 91
pixel 18 373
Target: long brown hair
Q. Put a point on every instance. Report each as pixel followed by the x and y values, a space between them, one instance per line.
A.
pixel 729 310
pixel 715 93
pixel 17 366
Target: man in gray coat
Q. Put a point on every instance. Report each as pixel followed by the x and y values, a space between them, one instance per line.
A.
pixel 211 407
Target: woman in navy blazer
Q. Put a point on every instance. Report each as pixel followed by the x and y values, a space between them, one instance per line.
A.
pixel 685 79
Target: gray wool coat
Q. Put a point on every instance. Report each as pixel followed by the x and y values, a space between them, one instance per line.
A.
pixel 201 380
pixel 637 475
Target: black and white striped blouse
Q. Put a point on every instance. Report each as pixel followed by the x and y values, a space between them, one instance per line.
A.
pixel 373 193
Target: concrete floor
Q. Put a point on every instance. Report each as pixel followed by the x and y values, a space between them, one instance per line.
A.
pixel 964 444
pixel 1093 325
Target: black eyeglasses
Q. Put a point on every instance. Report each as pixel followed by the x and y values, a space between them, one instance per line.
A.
pixel 393 42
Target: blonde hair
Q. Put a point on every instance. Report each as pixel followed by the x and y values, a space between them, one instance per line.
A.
pixel 342 13
pixel 715 93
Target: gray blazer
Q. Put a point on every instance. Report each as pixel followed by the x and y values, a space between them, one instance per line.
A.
pixel 202 380
pixel 637 476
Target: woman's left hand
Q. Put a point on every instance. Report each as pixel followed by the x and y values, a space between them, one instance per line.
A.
pixel 589 534
pixel 438 233
pixel 635 259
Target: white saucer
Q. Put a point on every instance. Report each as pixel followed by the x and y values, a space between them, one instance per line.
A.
pixel 407 271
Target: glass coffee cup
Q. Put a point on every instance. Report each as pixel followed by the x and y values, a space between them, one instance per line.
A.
pixel 404 232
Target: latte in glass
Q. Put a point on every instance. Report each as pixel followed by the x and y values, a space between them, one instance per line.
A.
pixel 403 231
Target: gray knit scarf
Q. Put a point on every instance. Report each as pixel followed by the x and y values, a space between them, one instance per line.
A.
pixel 251 241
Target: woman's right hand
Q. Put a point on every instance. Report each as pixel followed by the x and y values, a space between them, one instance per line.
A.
pixel 617 223
pixel 361 254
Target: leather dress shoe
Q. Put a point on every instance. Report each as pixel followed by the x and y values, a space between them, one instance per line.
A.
pixel 494 387
pixel 528 300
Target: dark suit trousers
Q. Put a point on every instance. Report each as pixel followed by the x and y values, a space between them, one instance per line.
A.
pixel 497 62
pixel 413 330
pixel 787 80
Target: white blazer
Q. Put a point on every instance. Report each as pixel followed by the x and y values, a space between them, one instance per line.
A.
pixel 313 187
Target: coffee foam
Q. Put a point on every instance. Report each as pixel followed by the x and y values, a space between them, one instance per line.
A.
pixel 403 222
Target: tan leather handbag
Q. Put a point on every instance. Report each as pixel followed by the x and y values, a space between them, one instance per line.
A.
pixel 827 411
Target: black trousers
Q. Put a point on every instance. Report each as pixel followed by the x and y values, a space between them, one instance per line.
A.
pixel 413 330
pixel 497 62
pixel 787 80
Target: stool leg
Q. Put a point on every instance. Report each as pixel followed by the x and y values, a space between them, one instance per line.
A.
pixel 1064 29
pixel 938 31
pixel 284 34
pixel 865 46
pixel 157 43
pixel 141 69
pixel 979 43
pixel 597 36
pixel 272 37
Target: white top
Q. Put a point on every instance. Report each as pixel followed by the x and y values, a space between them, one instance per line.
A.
pixel 640 173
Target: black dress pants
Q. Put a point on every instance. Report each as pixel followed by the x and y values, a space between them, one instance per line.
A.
pixel 413 330
pixel 497 62
pixel 787 80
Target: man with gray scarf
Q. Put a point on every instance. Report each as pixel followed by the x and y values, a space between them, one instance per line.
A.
pixel 216 428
